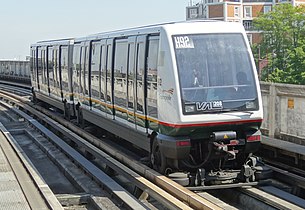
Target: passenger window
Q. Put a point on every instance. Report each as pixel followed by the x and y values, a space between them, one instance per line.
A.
pixel 64 68
pixel 103 72
pixel 152 72
pixel 95 69
pixel 130 90
pixel 39 69
pixel 120 71
pixel 109 74
pixel 76 68
pixel 51 69
pixel 140 76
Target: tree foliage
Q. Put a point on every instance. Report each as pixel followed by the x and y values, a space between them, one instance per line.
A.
pixel 283 44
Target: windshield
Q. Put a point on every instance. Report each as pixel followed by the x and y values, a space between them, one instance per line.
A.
pixel 215 73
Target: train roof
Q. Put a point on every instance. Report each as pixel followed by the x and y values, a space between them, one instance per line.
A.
pixel 65 41
pixel 183 27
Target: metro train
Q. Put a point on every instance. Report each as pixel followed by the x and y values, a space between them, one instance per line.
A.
pixel 185 92
pixel 17 71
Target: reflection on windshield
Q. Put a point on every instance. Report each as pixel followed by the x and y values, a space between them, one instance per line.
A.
pixel 215 67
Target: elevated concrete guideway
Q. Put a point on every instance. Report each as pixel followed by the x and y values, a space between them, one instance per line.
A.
pixel 284 111
pixel 19 183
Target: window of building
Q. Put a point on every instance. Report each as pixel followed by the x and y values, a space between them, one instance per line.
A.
pixel 267 9
pixel 248 11
pixel 193 12
pixel 236 11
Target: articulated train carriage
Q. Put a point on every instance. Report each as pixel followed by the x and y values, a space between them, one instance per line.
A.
pixel 187 93
pixel 15 71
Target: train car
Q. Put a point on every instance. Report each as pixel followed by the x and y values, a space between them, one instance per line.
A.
pixel 15 71
pixel 187 93
pixel 51 63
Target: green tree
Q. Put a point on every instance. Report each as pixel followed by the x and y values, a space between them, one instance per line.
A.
pixel 283 44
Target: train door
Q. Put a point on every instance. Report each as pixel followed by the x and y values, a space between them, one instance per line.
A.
pixel 151 81
pixel 84 75
pixel 97 79
pixel 51 67
pixel 120 78
pixel 140 67
pixel 76 73
pixel 39 68
pixel 56 71
pixel 131 80
pixel 103 71
pixel 44 83
pixel 34 68
pixel 64 68
pixel 109 78
pixel 70 71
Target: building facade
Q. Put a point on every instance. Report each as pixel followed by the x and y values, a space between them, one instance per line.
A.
pixel 243 11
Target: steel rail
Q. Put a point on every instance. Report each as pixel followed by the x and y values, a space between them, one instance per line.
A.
pixel 184 197
pixel 148 187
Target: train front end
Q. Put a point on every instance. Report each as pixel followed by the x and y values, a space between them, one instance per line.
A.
pixel 215 128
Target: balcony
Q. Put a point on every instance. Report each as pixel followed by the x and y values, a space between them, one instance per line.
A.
pixel 248 25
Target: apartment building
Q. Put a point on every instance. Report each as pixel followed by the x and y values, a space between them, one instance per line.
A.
pixel 243 11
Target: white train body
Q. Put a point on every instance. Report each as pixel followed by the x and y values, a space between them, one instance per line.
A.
pixel 171 89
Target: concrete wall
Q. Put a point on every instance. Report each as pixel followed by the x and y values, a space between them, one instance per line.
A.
pixel 284 111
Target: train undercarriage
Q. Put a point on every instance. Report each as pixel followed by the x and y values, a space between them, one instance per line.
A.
pixel 224 159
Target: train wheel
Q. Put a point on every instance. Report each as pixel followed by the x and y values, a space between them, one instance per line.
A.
pixel 158 159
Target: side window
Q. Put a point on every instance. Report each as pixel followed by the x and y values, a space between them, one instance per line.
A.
pixel 64 67
pixel 109 74
pixel 95 69
pixel 103 72
pixel 44 69
pixel 131 75
pixel 39 69
pixel 50 67
pixel 120 71
pixel 76 68
pixel 152 73
pixel 34 67
pixel 86 71
pixel 55 69
pixel 83 65
pixel 140 76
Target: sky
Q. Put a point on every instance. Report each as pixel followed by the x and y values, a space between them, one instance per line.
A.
pixel 23 22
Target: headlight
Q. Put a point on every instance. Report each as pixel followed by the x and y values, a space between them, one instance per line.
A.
pixel 250 105
pixel 189 108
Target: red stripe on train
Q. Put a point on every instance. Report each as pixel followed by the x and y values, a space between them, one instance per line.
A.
pixel 210 124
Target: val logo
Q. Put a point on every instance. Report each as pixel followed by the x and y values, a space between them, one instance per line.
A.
pixel 212 105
